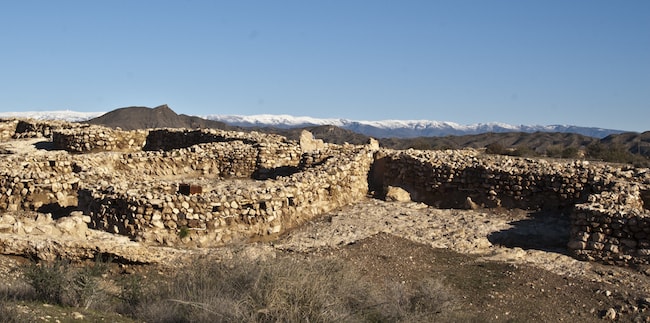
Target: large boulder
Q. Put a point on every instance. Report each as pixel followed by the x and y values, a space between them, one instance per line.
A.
pixel 309 144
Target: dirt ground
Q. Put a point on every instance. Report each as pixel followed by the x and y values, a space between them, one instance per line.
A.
pixel 492 291
pixel 505 266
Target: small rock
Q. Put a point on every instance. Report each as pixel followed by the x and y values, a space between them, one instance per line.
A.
pixel 397 194
pixel 471 205
pixel 609 314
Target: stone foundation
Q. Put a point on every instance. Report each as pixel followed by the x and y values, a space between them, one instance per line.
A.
pixel 90 139
pixel 607 204
pixel 223 212
pixel 254 185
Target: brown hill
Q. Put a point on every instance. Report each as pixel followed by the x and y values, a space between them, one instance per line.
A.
pixel 539 142
pixel 132 118
pixel 636 143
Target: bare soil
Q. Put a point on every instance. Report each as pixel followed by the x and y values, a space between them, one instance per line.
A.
pixel 492 265
pixel 492 291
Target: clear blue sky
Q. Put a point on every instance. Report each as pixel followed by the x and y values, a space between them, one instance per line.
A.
pixel 580 62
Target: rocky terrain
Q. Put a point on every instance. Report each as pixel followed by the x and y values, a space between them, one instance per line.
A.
pixel 510 239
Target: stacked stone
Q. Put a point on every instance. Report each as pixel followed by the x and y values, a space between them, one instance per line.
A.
pixel 36 183
pixel 43 224
pixel 611 222
pixel 93 138
pixel 233 159
pixel 7 128
pixel 612 227
pixel 169 138
pixel 156 212
pixel 447 178
pixel 273 155
pixel 33 129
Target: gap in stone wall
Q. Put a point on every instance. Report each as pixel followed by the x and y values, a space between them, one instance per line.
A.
pixel 645 197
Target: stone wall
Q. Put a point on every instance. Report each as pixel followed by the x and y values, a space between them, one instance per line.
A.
pixel 607 203
pixel 612 226
pixel 447 178
pixel 91 138
pixel 37 184
pixel 266 154
pixel 7 128
pixel 263 154
pixel 253 185
pixel 231 210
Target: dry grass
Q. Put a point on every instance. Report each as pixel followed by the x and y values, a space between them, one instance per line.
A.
pixel 285 289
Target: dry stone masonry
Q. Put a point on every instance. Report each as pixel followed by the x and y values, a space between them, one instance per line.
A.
pixel 207 187
pixel 608 204
pixel 97 138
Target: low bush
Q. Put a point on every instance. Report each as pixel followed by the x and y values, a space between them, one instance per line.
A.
pixel 60 283
pixel 285 289
pixel 615 153
pixel 496 149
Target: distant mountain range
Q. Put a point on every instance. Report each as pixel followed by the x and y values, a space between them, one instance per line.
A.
pixel 377 129
pixel 403 128
pixel 66 115
pixel 396 134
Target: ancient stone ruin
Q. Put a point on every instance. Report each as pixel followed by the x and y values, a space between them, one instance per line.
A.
pixel 207 187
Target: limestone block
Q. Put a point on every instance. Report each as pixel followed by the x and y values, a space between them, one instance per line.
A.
pixel 397 194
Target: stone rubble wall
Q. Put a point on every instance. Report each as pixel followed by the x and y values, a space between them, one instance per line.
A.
pixel 155 212
pixel 39 182
pixel 448 178
pixel 91 138
pixel 613 226
pixel 30 129
pixel 609 215
pixel 74 225
pixel 7 128
pixel 233 159
pixel 254 185
pixel 268 152
pixel 22 128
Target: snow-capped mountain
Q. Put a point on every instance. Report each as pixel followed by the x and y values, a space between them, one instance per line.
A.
pixel 67 115
pixel 402 128
pixel 377 129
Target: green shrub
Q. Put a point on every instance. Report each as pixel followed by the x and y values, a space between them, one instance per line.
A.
pixel 522 151
pixel 183 232
pixel 48 280
pixel 496 149
pixel 59 282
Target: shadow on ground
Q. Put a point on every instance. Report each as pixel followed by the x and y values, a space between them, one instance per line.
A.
pixel 45 145
pixel 545 230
